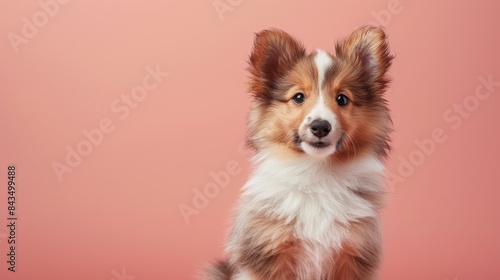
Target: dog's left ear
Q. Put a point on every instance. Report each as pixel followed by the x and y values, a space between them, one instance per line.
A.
pixel 367 47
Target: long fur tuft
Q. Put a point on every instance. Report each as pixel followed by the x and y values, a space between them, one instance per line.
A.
pixel 219 271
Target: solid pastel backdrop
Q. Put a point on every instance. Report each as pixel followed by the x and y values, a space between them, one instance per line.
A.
pixel 74 68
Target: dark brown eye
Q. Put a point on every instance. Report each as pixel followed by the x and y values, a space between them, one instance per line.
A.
pixel 342 100
pixel 299 98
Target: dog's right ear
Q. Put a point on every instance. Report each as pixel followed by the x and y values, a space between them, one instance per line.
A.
pixel 274 53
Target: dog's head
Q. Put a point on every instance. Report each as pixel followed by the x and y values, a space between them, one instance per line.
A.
pixel 320 104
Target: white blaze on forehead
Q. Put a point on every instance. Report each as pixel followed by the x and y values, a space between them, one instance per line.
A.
pixel 323 61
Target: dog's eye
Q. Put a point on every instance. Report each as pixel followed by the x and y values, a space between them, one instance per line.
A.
pixel 342 100
pixel 299 98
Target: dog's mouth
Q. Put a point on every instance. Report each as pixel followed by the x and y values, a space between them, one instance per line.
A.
pixel 319 148
pixel 315 144
pixel 318 144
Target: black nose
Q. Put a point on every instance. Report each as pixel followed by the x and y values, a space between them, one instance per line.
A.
pixel 320 128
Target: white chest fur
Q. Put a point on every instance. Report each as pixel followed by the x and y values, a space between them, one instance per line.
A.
pixel 317 195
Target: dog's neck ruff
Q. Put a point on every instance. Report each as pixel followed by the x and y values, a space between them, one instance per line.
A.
pixel 315 193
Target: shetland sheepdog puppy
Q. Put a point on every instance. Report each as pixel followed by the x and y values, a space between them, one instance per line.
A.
pixel 320 128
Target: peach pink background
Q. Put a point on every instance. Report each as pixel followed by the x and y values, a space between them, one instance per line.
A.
pixel 120 207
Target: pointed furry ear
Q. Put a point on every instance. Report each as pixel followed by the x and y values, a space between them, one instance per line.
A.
pixel 274 53
pixel 367 46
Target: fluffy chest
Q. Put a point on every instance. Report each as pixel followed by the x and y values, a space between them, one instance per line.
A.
pixel 318 197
